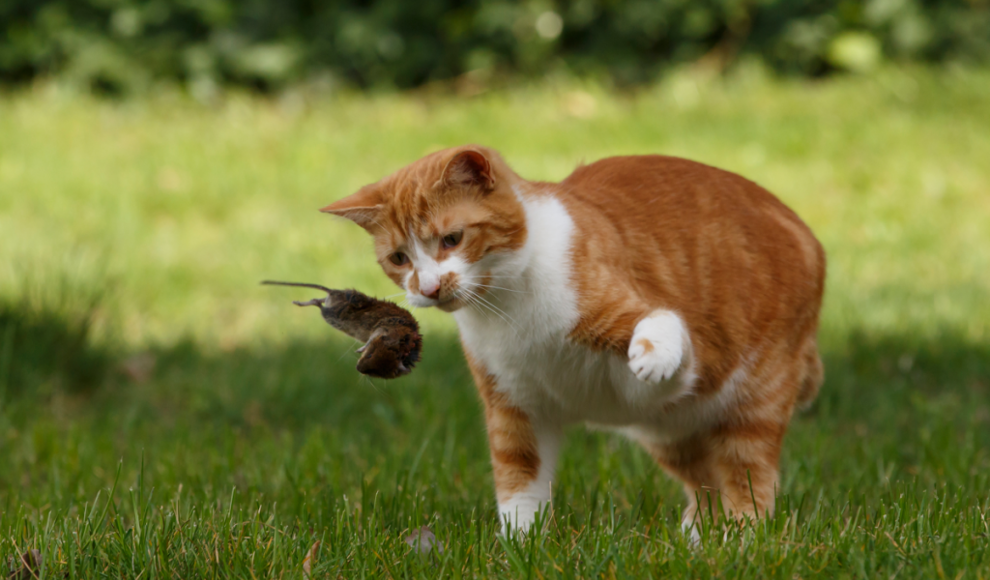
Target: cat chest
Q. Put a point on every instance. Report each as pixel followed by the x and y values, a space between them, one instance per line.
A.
pixel 522 340
pixel 546 374
pixel 563 382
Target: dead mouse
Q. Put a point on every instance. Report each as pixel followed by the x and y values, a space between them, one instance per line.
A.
pixel 390 334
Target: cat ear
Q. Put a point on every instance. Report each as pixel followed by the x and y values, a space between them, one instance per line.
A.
pixel 469 167
pixel 361 207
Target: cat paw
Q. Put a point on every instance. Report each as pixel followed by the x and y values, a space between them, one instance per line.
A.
pixel 519 514
pixel 656 351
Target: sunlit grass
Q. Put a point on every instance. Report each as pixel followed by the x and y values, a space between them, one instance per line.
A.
pixel 258 437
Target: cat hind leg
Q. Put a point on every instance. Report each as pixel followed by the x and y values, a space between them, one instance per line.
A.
pixel 731 472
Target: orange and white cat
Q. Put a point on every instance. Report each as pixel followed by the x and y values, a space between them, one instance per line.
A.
pixel 666 299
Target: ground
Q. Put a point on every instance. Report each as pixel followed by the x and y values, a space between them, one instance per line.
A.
pixel 163 415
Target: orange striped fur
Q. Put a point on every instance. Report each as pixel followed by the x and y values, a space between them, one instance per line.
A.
pixel 668 300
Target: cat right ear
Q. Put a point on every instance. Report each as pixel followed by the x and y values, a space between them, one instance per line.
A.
pixel 361 207
pixel 470 167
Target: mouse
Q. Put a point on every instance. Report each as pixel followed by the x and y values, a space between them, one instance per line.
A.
pixel 392 342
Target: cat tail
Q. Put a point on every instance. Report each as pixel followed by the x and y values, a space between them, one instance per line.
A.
pixel 814 375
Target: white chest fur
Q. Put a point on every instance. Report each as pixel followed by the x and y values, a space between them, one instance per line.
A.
pixel 523 339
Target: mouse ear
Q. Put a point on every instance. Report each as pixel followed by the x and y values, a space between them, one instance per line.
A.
pixel 361 207
pixel 469 167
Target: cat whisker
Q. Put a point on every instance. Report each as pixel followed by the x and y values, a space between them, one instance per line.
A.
pixel 497 311
pixel 494 277
pixel 474 281
pixel 487 312
pixel 471 300
pixel 501 288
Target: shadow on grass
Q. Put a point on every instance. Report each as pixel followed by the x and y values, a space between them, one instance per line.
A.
pixel 308 381
pixel 866 372
pixel 316 380
pixel 46 349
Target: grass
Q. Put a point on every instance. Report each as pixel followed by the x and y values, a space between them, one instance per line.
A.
pixel 220 433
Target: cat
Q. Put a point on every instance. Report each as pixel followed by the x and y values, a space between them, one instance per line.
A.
pixel 659 297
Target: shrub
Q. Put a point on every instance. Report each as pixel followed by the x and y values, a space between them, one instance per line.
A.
pixel 116 45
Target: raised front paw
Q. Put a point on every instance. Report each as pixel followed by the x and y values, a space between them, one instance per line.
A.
pixel 656 351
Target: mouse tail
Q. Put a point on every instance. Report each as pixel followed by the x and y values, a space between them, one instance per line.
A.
pixel 299 284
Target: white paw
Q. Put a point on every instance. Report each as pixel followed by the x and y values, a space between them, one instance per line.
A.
pixel 690 528
pixel 519 514
pixel 656 351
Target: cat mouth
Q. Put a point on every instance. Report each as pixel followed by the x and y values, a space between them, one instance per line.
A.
pixel 449 304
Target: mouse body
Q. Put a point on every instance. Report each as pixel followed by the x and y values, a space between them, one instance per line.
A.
pixel 392 342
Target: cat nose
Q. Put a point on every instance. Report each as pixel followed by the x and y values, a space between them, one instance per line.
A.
pixel 431 290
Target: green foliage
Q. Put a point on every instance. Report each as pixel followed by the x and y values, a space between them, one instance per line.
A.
pixel 118 45
pixel 252 436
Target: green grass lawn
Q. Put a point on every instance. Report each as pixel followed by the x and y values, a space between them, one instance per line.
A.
pixel 135 232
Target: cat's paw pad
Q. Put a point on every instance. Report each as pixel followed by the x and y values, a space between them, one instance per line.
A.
pixel 656 351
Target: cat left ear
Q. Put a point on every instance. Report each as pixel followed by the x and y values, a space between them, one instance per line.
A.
pixel 361 207
pixel 470 167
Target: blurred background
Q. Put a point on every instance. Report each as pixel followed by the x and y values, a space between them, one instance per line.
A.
pixel 121 46
pixel 159 158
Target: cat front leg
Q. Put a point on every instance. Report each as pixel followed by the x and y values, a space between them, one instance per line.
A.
pixel 524 493
pixel 523 453
pixel 660 346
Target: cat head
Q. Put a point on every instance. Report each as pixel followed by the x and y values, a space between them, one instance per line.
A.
pixel 446 227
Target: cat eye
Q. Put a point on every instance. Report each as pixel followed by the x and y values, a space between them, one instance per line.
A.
pixel 399 259
pixel 452 239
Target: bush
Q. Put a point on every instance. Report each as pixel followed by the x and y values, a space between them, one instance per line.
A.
pixel 117 45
